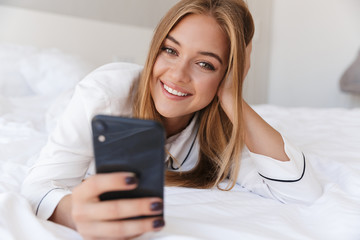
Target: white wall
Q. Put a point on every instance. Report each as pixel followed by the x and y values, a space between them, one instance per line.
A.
pixel 143 13
pixel 98 42
pixel 313 42
pixel 257 82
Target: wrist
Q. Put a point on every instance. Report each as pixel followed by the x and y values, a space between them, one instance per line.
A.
pixel 226 102
pixel 62 213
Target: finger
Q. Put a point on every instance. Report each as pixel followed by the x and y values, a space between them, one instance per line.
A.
pixel 120 229
pixel 118 209
pixel 101 183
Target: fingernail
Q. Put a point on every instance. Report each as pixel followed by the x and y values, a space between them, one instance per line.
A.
pixel 158 223
pixel 131 180
pixel 156 206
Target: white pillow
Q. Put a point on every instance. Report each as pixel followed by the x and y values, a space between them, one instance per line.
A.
pixel 12 82
pixel 5 106
pixel 27 70
pixel 50 72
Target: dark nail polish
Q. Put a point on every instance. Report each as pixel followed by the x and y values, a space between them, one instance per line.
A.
pixel 156 206
pixel 130 180
pixel 158 223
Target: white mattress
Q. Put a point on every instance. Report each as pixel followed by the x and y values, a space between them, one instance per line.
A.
pixel 330 138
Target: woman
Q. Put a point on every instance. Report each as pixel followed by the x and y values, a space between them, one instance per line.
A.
pixel 192 83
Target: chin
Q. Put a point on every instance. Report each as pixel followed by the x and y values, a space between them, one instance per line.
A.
pixel 166 113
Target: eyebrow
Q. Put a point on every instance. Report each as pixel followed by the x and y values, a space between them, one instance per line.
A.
pixel 210 54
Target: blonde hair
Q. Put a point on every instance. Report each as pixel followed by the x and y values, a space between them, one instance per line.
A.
pixel 220 140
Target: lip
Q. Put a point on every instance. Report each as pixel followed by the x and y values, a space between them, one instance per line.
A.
pixel 171 96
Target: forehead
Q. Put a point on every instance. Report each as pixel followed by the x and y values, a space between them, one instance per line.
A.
pixel 201 31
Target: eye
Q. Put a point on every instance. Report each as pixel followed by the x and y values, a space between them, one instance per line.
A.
pixel 206 66
pixel 169 51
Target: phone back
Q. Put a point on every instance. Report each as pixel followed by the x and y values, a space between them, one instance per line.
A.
pixel 131 145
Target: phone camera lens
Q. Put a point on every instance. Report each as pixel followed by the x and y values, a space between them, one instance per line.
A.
pixel 99 126
pixel 102 138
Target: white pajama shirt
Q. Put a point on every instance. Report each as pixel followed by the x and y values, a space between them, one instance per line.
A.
pixel 68 155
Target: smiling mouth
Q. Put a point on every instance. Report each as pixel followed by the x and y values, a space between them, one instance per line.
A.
pixel 174 92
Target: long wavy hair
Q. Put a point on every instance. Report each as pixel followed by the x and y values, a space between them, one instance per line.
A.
pixel 220 140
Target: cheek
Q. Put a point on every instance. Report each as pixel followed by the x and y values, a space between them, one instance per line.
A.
pixel 208 89
pixel 160 66
pixel 156 68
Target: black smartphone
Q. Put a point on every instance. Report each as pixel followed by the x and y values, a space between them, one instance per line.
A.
pixel 130 145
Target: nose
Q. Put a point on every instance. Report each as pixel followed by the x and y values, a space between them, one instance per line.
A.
pixel 179 72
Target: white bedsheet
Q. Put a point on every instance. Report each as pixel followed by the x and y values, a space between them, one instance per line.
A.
pixel 330 139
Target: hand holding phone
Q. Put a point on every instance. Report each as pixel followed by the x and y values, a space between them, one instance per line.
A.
pixel 110 219
pixel 130 145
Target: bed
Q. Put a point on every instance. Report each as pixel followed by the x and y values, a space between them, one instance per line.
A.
pixel 37 78
pixel 33 94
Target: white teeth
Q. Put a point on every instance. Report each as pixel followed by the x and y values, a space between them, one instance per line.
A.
pixel 174 92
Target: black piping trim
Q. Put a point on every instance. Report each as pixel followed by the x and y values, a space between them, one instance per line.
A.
pixel 38 206
pixel 187 155
pixel 289 181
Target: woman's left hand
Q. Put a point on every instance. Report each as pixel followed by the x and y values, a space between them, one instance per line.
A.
pixel 225 92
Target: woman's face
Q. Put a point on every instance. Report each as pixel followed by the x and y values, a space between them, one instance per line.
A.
pixel 189 68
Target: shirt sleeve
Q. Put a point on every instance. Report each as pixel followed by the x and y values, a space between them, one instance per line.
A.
pixel 292 181
pixel 63 162
pixel 68 155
